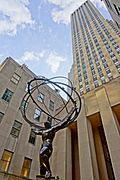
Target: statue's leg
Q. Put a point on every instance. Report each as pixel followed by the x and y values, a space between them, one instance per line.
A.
pixel 42 165
pixel 45 166
pixel 48 172
pixel 42 170
pixel 45 153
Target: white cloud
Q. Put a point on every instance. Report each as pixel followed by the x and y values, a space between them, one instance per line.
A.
pixel 61 3
pixel 54 61
pixel 31 56
pixel 51 58
pixel 63 10
pixel 14 14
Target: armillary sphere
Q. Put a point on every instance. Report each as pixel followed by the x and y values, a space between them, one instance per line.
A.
pixel 67 94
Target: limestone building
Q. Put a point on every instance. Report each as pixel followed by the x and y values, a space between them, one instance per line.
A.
pixel 96 60
pixel 19 146
pixel 90 148
pixel 113 7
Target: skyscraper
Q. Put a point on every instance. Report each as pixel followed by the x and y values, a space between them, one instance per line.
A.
pixel 96 69
pixel 113 7
pixel 96 50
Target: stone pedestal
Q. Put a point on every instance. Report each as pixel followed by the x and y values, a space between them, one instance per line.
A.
pixel 38 177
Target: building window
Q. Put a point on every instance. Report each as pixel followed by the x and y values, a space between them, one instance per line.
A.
pixel 87 88
pixel 27 87
pixel 110 76
pixel 24 104
pixel 1 116
pixel 96 83
pixel 15 78
pixel 26 167
pixel 7 95
pixel 5 161
pixel 93 72
pixel 118 50
pixel 51 105
pixel 16 128
pixel 81 91
pixel 118 68
pixel 115 59
pixel 103 79
pixel 108 72
pixel 97 63
pixel 105 65
pixel 41 97
pixel 37 114
pixel 32 137
pixel 118 25
pixel 117 8
pixel 99 69
pixel 81 86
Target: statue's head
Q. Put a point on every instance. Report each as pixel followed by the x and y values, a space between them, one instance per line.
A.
pixel 47 124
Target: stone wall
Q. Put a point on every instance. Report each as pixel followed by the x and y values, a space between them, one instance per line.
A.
pixel 7 176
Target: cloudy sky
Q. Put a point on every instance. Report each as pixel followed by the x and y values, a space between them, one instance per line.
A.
pixel 38 33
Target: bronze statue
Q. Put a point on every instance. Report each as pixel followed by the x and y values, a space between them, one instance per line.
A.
pixel 72 107
pixel 47 137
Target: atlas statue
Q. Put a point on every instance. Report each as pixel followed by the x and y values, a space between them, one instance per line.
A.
pixel 53 124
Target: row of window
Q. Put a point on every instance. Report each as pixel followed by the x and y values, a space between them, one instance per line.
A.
pixel 113 27
pixel 94 53
pixel 8 95
pixel 75 30
pixel 99 50
pixel 103 59
pixel 77 55
pixel 15 79
pixel 6 160
pixel 117 10
pixel 16 128
pixel 87 86
pixel 106 44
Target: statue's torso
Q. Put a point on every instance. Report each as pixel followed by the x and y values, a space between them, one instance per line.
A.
pixel 48 136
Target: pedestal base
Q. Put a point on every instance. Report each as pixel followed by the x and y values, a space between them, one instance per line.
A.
pixel 38 177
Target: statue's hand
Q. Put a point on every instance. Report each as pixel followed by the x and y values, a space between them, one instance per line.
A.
pixel 35 130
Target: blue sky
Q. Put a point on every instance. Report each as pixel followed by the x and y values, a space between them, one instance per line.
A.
pixel 38 33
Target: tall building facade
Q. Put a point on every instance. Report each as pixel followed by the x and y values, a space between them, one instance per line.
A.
pixel 95 136
pixel 113 7
pixel 96 50
pixel 19 146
